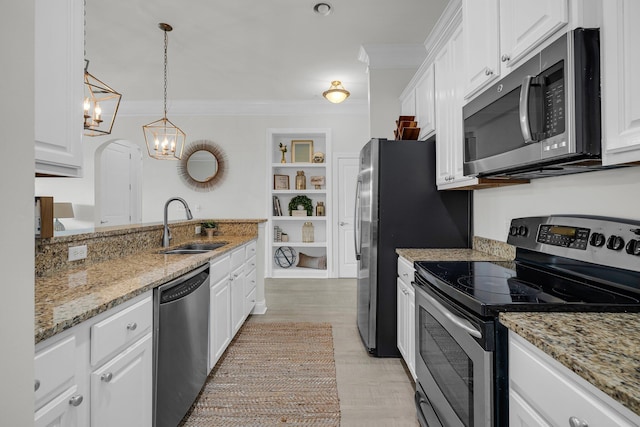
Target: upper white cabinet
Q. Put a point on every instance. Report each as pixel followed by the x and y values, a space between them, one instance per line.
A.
pixel 418 100
pixel 59 83
pixel 500 34
pixel 620 38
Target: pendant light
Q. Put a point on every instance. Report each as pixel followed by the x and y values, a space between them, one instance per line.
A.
pixel 100 100
pixel 336 93
pixel 165 141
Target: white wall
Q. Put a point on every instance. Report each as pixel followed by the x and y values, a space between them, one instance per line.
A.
pixel 16 214
pixel 385 87
pixel 614 193
pixel 243 139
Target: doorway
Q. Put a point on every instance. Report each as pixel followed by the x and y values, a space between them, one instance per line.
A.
pixel 118 184
pixel 347 167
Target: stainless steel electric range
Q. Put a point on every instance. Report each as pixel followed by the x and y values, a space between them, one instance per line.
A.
pixel 563 263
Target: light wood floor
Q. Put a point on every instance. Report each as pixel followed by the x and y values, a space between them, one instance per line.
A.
pixel 372 391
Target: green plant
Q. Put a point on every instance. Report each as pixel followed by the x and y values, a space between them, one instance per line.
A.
pixel 301 200
pixel 209 224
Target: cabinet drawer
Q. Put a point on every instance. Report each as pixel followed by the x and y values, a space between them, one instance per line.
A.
pixel 219 268
pixel 237 258
pixel 249 302
pixel 120 329
pixel 250 282
pixel 54 369
pixel 250 265
pixel 405 271
pixel 250 249
pixel 556 393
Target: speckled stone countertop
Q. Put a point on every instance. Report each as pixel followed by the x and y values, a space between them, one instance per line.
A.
pixel 71 296
pixel 414 255
pixel 602 348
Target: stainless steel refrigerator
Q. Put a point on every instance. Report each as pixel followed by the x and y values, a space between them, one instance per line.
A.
pixel 399 206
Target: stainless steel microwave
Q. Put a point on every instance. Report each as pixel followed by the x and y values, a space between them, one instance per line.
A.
pixel 543 118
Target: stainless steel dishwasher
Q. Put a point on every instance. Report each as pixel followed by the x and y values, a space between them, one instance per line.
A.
pixel 181 334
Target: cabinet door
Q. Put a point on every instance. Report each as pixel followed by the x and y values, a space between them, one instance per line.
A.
pixel 443 83
pixel 58 86
pixel 219 320
pixel 61 411
pixel 481 44
pixel 121 390
pixel 401 319
pixel 425 103
pixel 237 299
pixel 411 331
pixel 408 104
pixel 524 24
pixel 621 86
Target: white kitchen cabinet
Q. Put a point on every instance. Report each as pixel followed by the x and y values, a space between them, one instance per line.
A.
pixel 219 308
pixel 59 66
pixel 449 65
pixel 237 299
pixel 543 392
pixel 406 316
pixel 287 223
pixel 620 38
pixel 418 99
pixel 408 101
pixel 121 390
pixel 250 279
pixel 63 411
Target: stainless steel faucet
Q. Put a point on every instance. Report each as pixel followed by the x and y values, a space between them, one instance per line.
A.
pixel 166 233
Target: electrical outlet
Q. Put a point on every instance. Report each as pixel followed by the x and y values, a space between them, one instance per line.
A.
pixel 198 229
pixel 77 252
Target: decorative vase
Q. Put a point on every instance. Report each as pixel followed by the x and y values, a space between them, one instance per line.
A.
pixel 301 181
pixel 307 232
pixel 320 209
pixel 210 232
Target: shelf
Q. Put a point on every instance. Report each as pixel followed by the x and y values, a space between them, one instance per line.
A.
pixel 298 218
pixel 300 244
pixel 298 165
pixel 324 191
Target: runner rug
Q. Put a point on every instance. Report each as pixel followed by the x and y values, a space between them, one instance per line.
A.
pixel 272 374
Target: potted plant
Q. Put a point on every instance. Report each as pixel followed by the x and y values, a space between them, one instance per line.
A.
pixel 210 228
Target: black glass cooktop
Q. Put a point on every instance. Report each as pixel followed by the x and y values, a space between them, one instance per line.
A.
pixel 487 287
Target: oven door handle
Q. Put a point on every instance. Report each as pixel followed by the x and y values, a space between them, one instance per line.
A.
pixel 426 415
pixel 525 126
pixel 458 321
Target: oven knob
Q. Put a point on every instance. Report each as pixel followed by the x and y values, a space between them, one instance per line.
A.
pixel 633 247
pixel 513 230
pixel 522 230
pixel 615 242
pixel 597 239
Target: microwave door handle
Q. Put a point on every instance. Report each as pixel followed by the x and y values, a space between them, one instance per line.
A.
pixel 525 127
pixel 458 321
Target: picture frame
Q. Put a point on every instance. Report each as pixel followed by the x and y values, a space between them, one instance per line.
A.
pixel 280 182
pixel 302 151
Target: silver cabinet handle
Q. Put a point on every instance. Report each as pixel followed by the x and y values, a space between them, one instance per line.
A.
pixel 132 326
pixel 488 71
pixel 577 422
pixel 36 385
pixel 342 223
pixel 106 377
pixel 75 400
pixel 505 57
pixel 405 274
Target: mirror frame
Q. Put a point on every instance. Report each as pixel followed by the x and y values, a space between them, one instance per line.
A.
pixel 216 179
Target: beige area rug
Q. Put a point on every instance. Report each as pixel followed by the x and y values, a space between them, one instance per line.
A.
pixel 272 374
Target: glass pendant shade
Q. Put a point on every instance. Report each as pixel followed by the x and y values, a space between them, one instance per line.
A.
pixel 165 141
pixel 100 106
pixel 336 93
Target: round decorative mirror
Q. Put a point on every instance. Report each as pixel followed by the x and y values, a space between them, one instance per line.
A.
pixel 202 166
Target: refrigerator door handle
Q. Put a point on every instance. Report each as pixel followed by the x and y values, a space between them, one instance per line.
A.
pixel 357 222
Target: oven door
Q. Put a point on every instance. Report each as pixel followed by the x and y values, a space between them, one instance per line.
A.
pixel 454 364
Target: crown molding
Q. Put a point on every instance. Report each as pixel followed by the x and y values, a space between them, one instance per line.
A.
pixel 242 108
pixel 392 56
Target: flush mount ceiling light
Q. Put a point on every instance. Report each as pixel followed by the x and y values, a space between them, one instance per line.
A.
pixel 322 9
pixel 336 93
pixel 165 141
pixel 100 100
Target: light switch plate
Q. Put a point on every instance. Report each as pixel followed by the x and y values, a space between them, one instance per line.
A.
pixel 198 229
pixel 77 252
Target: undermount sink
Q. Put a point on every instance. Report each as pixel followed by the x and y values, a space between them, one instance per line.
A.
pixel 194 248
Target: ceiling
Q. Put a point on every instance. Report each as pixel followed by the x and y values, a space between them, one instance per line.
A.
pixel 245 50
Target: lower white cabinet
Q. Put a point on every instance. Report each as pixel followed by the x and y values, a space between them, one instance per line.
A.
pixel 543 392
pixel 121 389
pixel 237 299
pixel 63 411
pixel 406 316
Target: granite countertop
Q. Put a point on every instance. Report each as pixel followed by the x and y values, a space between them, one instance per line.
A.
pixel 602 348
pixel 414 255
pixel 69 297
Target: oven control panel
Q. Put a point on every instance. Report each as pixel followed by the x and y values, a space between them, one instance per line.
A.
pixel 599 240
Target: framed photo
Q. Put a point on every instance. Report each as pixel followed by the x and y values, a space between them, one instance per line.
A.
pixel 280 182
pixel 302 151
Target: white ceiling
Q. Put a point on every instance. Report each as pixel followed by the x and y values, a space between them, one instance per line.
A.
pixel 245 50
